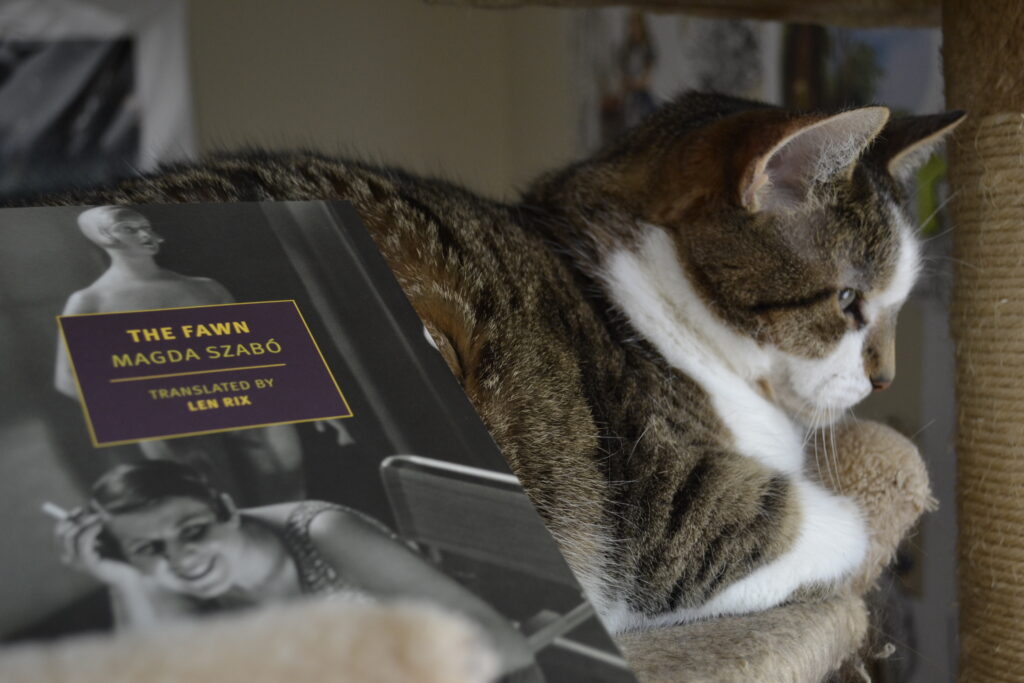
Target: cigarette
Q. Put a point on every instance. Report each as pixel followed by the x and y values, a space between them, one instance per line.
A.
pixel 54 510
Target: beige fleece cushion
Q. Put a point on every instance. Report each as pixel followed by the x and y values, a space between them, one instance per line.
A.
pixel 318 640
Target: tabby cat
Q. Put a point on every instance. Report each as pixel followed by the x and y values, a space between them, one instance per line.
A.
pixel 650 333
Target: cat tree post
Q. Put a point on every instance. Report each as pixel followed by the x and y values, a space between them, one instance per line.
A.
pixel 984 64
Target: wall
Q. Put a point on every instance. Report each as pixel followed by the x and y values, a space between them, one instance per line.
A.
pixel 474 95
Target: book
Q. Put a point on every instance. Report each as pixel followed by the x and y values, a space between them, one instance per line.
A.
pixel 185 386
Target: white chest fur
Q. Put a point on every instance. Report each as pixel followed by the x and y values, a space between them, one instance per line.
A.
pixel 648 284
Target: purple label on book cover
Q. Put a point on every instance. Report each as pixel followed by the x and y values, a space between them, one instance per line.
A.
pixel 182 371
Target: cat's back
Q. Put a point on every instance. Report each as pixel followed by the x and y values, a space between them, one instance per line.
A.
pixel 428 229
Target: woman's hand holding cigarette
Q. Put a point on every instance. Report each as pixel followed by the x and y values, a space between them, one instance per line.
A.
pixel 78 536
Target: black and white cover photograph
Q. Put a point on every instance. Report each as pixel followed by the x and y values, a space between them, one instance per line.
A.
pixel 212 408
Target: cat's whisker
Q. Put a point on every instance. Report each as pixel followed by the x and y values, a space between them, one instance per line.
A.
pixel 835 451
pixel 934 213
pixel 829 457
pixel 827 474
pixel 953 259
pixel 809 432
pixel 636 443
pixel 807 438
pixel 819 454
pixel 915 434
pixel 932 238
pixel 828 438
pixel 818 424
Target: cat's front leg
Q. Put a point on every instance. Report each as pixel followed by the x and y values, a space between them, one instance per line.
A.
pixel 721 532
pixel 830 544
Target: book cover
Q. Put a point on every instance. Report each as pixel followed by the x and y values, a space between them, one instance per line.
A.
pixel 209 408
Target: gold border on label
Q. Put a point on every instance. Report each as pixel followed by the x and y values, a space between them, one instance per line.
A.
pixel 85 408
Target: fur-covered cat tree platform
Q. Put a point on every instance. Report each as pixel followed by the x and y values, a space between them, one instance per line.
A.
pixel 801 641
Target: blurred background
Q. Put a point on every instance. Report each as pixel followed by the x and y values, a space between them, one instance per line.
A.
pixel 97 89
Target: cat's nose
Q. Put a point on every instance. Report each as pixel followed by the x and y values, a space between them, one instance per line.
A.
pixel 880 383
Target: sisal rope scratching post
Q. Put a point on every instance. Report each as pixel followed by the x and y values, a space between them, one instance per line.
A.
pixel 984 63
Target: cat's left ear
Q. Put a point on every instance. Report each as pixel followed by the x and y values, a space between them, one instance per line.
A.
pixel 906 143
pixel 809 151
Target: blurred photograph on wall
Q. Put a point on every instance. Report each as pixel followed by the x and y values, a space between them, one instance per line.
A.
pixel 91 92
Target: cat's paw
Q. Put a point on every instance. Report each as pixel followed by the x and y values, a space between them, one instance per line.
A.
pixel 833 538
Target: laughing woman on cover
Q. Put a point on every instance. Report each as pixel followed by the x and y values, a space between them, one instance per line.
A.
pixel 168 544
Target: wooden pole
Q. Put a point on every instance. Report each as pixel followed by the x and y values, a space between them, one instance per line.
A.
pixel 983 54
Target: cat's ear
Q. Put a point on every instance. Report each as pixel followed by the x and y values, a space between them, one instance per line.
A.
pixel 815 151
pixel 906 143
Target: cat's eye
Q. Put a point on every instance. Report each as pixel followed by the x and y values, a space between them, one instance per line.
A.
pixel 847 297
pixel 849 302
